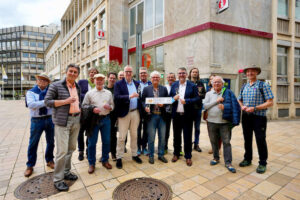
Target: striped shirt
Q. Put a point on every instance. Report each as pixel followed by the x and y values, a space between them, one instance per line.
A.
pixel 251 96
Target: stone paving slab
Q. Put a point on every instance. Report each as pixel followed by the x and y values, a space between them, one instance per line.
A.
pixel 201 181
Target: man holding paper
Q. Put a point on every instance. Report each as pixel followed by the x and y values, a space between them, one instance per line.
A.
pixel 156 116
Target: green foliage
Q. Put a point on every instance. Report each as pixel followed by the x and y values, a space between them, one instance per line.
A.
pixel 111 66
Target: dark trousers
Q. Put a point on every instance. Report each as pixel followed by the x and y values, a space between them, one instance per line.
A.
pixel 38 125
pixel 142 139
pixel 197 121
pixel 80 139
pixel 113 134
pixel 168 126
pixel 257 124
pixel 182 123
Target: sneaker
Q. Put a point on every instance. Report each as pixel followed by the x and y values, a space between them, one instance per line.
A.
pixel 261 169
pixel 137 159
pixel 145 152
pixel 119 164
pixel 245 163
pixel 181 153
pixel 230 168
pixel 163 159
pixel 71 177
pixel 139 152
pixel 151 160
pixel 214 162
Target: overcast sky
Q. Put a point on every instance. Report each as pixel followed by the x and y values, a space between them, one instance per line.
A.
pixel 31 12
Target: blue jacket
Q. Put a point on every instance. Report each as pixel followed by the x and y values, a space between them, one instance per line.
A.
pixel 121 97
pixel 232 109
pixel 191 97
pixel 84 88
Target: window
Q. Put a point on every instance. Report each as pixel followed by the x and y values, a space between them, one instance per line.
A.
pixel 33 66
pixel 159 57
pixel 3 45
pixel 297 65
pixel 40 67
pixel 140 14
pixel 32 78
pixel 132 21
pixel 102 59
pixel 283 8
pixel 148 14
pixel 25 43
pixel 26 55
pixel 282 64
pixel 78 41
pixel 83 37
pixel 18 43
pixel 40 45
pixel 25 66
pixel 32 44
pixel 102 18
pixel 89 35
pixel 8 44
pixel 297 11
pixel 159 9
pixel 95 24
pixel 46 44
pixel 74 45
pixel 13 43
pixel 32 55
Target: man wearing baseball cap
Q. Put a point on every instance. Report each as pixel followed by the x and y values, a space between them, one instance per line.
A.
pixel 100 102
pixel 255 97
pixel 40 121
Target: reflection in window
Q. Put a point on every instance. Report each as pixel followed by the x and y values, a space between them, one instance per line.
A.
pixel 283 8
pixel 140 14
pixel 26 55
pixel 158 12
pixel 297 11
pixel 148 14
pixel 132 21
pixel 282 64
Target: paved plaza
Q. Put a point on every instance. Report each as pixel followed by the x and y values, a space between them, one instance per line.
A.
pixel 201 181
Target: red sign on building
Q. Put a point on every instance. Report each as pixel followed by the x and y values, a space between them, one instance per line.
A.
pixel 222 5
pixel 100 34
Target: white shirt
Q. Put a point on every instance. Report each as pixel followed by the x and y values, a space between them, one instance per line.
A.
pixel 99 98
pixel 168 88
pixel 181 92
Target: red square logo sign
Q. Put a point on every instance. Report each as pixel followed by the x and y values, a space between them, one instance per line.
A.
pixel 222 5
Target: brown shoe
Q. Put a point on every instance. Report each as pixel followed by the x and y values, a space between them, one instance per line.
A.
pixel 107 165
pixel 210 151
pixel 91 169
pixel 28 171
pixel 175 158
pixel 189 162
pixel 51 164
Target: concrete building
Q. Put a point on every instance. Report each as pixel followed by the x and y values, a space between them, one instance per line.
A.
pixel 286 58
pixel 53 57
pixel 22 51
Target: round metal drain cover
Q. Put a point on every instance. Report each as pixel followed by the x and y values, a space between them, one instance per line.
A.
pixel 38 187
pixel 143 189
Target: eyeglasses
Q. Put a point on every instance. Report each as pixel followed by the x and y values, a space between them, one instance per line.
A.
pixel 128 71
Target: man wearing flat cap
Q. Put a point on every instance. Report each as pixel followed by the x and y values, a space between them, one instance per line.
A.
pixel 100 102
pixel 40 121
pixel 255 97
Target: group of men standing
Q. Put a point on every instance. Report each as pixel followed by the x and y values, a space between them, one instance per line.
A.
pixel 91 106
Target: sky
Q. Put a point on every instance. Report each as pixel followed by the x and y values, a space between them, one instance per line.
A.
pixel 31 12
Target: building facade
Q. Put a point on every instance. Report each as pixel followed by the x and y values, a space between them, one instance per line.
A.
pixel 286 58
pixel 22 52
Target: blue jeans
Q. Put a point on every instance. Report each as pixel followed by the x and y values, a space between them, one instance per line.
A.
pixel 104 127
pixel 38 125
pixel 156 122
pixel 197 121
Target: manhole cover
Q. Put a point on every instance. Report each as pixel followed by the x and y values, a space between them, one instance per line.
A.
pixel 38 187
pixel 143 189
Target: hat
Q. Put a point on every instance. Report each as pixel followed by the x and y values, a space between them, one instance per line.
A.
pixel 99 76
pixel 43 76
pixel 252 67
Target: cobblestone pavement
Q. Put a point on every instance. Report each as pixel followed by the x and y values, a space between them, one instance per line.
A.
pixel 201 181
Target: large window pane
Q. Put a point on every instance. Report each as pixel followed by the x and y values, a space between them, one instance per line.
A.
pixel 148 14
pixel 140 17
pixel 297 65
pixel 132 20
pixel 282 64
pixel 95 23
pixel 283 8
pixel 159 12
pixel 102 18
pixel 297 11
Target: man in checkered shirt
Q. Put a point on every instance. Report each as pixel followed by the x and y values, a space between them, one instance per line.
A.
pixel 255 97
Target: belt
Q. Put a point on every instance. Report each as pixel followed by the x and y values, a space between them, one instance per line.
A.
pixel 43 117
pixel 132 110
pixel 156 112
pixel 74 114
pixel 180 113
pixel 100 117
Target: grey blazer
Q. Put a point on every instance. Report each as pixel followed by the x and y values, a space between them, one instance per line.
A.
pixel 59 91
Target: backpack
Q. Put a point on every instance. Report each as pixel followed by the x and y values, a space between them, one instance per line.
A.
pixel 260 87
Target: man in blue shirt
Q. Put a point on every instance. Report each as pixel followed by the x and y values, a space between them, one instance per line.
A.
pixel 255 97
pixel 40 121
pixel 127 104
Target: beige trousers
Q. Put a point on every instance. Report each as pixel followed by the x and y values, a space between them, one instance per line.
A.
pixel 66 140
pixel 130 121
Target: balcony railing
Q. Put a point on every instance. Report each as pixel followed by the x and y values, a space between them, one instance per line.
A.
pixel 282 93
pixel 297 29
pixel 283 26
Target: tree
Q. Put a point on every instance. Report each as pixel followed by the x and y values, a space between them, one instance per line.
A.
pixel 111 66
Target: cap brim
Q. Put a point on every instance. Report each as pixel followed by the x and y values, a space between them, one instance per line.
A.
pixel 257 69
